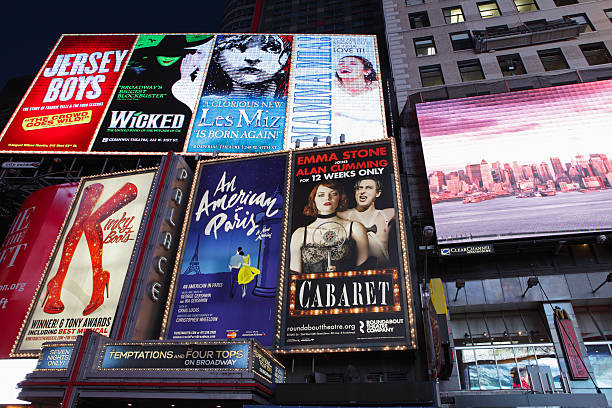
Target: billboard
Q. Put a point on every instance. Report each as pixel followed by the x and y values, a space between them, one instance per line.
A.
pixel 25 252
pixel 62 108
pixel 243 104
pixel 152 108
pixel 346 281
pixel 523 164
pixel 335 90
pixel 84 277
pixel 225 285
pixel 200 93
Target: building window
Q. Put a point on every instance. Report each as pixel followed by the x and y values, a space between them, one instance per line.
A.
pixel 424 46
pixel 488 9
pixel 419 20
pixel 470 70
pixel 413 2
pixel 583 21
pixel 596 53
pixel 560 3
pixel 524 6
pixel 553 59
pixel 511 64
pixel 608 13
pixel 453 15
pixel 461 40
pixel 431 75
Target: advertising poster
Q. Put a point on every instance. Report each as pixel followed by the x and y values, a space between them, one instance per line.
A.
pixel 25 252
pixel 158 93
pixel 523 164
pixel 62 109
pixel 244 101
pixel 335 90
pixel 85 275
pixel 344 284
pixel 177 356
pixel 228 275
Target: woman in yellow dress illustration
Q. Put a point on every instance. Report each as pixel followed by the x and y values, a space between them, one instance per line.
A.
pixel 246 273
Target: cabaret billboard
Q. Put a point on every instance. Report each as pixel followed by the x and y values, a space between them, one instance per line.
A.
pixel 200 93
pixel 524 164
pixel 84 277
pixel 345 284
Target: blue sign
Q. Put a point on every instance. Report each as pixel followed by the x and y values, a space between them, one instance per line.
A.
pixel 54 358
pixel 230 260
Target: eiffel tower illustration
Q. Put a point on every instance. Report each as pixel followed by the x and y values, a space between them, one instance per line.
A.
pixel 194 264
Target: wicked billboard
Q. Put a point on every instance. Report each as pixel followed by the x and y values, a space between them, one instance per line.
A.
pixel 225 284
pixel 345 285
pixel 84 277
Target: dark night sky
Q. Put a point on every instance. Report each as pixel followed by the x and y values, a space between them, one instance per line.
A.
pixel 30 29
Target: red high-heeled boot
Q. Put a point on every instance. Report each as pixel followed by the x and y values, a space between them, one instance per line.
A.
pixel 94 236
pixel 52 302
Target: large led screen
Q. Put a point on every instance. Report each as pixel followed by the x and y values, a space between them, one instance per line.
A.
pixel 345 278
pixel 214 94
pixel 85 275
pixel 225 285
pixel 522 164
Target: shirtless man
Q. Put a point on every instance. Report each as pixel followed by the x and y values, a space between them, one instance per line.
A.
pixel 367 190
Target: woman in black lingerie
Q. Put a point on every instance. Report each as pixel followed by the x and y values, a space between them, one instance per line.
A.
pixel 329 243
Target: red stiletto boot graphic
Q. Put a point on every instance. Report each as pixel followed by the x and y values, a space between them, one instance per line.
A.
pixel 93 234
pixel 52 302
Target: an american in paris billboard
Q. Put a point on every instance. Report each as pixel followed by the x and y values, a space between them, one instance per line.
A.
pixel 523 164
pixel 200 93
pixel 225 285
pixel 84 277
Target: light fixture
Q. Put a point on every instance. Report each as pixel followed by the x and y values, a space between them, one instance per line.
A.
pixel 342 137
pixel 601 239
pixel 328 140
pixel 531 282
pixel 608 279
pixel 129 404
pixel 315 141
pixel 297 144
pixel 459 283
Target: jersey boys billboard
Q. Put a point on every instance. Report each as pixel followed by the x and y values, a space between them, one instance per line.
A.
pixel 85 275
pixel 62 108
pixel 344 283
pixel 200 93
pixel 226 285
pixel 538 165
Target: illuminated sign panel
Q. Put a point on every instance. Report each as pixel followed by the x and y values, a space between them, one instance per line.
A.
pixel 522 164
pixel 25 252
pixel 152 108
pixel 62 109
pixel 200 93
pixel 243 104
pixel 344 284
pixel 227 279
pixel 335 90
pixel 85 275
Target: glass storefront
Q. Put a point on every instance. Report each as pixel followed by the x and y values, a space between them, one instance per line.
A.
pixel 505 366
pixel 600 356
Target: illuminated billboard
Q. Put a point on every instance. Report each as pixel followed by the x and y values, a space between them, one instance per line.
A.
pixel 85 275
pixel 225 285
pixel 25 252
pixel 522 164
pixel 335 90
pixel 200 93
pixel 346 280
